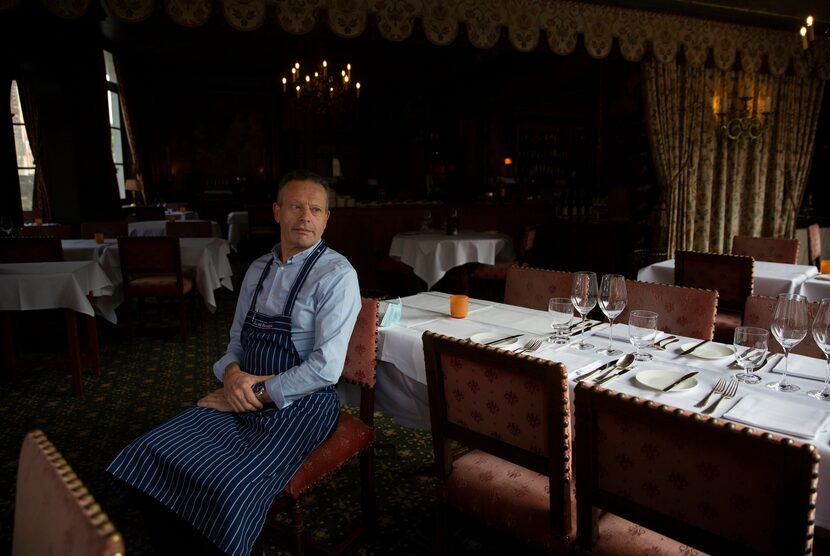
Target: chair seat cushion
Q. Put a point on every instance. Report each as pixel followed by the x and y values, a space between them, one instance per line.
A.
pixel 618 536
pixel 725 324
pixel 350 437
pixel 502 494
pixel 158 285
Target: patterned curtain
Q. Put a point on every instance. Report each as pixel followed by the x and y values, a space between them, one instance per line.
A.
pixel 28 101
pixel 715 187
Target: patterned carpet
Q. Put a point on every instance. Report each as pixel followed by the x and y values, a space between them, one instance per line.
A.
pixel 151 379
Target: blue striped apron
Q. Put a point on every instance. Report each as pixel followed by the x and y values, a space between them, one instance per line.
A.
pixel 221 471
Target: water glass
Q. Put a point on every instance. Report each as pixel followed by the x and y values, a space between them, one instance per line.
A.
pixel 612 299
pixel 642 330
pixel 789 327
pixel 750 351
pixel 561 312
pixel 584 299
pixel 821 334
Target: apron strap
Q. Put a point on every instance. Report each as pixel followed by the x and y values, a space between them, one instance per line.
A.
pixel 259 284
pixel 304 272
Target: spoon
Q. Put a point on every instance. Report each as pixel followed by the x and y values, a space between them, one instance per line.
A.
pixel 621 363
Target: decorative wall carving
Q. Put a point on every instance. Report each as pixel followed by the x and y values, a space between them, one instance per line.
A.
pixel 523 21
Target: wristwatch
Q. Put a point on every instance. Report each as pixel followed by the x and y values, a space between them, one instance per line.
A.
pixel 259 391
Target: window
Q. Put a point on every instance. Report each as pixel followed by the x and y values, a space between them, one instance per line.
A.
pixel 25 158
pixel 117 138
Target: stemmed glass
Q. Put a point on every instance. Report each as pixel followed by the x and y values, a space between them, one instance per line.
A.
pixel 612 298
pixel 789 327
pixel 561 312
pixel 750 351
pixel 642 330
pixel 584 299
pixel 7 225
pixel 821 334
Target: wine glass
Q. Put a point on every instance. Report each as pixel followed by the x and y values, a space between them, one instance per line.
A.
pixel 642 330
pixel 821 334
pixel 750 351
pixel 612 298
pixel 789 327
pixel 584 299
pixel 7 225
pixel 561 312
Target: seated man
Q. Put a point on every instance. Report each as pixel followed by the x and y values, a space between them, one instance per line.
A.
pixel 218 465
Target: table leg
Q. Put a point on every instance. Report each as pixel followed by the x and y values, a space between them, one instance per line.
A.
pixel 74 352
pixel 9 356
pixel 92 341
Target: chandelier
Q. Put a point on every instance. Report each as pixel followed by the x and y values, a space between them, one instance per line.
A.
pixel 816 52
pixel 319 88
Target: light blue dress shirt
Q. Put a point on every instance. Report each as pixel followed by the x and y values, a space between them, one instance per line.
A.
pixel 321 322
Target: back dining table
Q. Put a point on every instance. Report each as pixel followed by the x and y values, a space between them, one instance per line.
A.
pixel 401 388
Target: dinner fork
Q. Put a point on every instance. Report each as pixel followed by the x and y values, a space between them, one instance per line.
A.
pixel 530 346
pixel 720 387
pixel 728 394
pixel 662 347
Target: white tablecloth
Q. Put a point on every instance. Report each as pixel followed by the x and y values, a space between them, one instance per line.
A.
pixel 770 278
pixel 816 288
pixel 237 227
pixel 85 249
pixel 58 285
pixel 431 255
pixel 209 256
pixel 159 228
pixel 401 386
pixel 181 215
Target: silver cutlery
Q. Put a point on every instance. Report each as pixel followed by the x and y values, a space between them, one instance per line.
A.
pixel 728 394
pixel 530 346
pixel 613 376
pixel 735 365
pixel 694 347
pixel 662 347
pixel 621 363
pixel 719 388
pixel 595 371
pixel 500 340
pixel 679 381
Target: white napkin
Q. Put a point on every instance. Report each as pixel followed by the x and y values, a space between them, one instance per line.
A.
pixel 802 366
pixel 574 361
pixel 778 415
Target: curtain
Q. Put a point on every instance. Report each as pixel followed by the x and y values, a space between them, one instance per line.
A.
pixel 715 187
pixel 28 101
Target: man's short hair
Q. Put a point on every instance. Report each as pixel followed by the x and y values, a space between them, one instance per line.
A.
pixel 304 175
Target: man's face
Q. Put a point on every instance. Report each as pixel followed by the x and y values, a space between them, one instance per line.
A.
pixel 302 215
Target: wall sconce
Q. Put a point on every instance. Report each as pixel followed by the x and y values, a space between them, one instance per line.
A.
pixel 742 123
pixel 137 187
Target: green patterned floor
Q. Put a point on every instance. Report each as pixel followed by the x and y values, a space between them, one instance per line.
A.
pixel 151 379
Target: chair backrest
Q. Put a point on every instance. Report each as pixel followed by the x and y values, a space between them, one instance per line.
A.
pixel 61 231
pixel 190 228
pixel 149 255
pixel 514 407
pixel 361 356
pixel 176 205
pixel 814 244
pixel 732 276
pixel 759 311
pixel 672 304
pixel 54 513
pixel 771 249
pixel 533 287
pixel 143 213
pixel 30 249
pixel 110 229
pixel 699 481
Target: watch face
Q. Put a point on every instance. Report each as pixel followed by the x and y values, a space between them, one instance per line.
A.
pixel 258 388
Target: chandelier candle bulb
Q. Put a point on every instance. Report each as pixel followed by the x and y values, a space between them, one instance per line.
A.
pixel 284 83
pixel 357 89
pixel 811 34
pixel 803 33
pixel 325 69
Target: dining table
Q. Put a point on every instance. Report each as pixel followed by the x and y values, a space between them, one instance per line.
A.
pixel 159 228
pixel 431 253
pixel 76 287
pixel 770 278
pixel 401 389
pixel 816 288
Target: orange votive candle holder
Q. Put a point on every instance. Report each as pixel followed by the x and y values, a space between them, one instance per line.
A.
pixel 458 306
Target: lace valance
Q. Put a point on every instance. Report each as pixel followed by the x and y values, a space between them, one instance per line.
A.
pixel 527 22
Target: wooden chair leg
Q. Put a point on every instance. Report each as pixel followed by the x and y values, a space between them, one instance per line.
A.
pixel 92 345
pixel 74 352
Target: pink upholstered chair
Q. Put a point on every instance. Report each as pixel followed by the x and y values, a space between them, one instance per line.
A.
pixel 759 311
pixel 666 478
pixel 683 311
pixel 54 513
pixel 814 245
pixel 771 249
pixel 513 412
pixel 352 437
pixel 732 276
pixel 533 287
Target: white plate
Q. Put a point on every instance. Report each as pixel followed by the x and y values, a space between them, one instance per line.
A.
pixel 659 379
pixel 487 337
pixel 708 351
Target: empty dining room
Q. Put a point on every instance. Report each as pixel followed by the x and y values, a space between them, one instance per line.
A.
pixel 624 201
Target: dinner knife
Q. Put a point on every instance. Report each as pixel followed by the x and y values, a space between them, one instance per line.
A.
pixel 595 371
pixel 612 377
pixel 694 347
pixel 679 380
pixel 500 340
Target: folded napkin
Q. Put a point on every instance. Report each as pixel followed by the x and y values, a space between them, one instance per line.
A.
pixel 802 366
pixel 574 361
pixel 778 415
